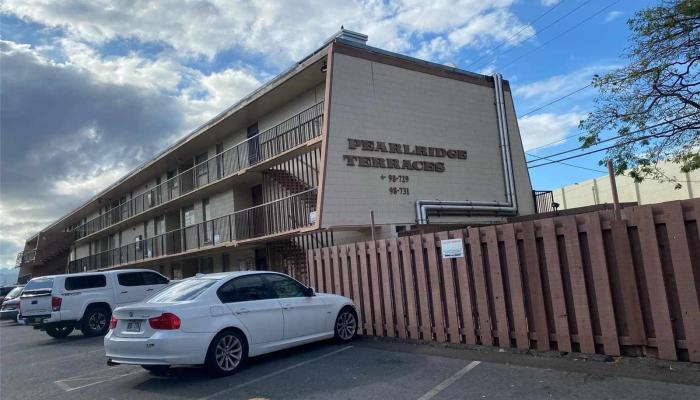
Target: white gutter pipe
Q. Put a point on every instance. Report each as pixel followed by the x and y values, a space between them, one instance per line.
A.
pixel 510 206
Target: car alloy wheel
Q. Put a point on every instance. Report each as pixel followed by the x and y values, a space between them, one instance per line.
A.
pixel 229 352
pixel 346 325
pixel 97 321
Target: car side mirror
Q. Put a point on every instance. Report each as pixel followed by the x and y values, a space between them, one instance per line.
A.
pixel 309 292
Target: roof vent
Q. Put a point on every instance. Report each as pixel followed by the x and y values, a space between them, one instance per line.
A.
pixel 351 36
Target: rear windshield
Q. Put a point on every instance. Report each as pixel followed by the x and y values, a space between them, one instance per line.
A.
pixel 14 293
pixel 41 283
pixel 185 290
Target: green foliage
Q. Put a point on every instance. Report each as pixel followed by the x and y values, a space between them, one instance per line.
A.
pixel 660 83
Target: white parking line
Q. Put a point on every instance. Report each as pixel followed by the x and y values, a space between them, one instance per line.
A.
pixel 25 364
pixel 270 375
pixel 65 384
pixel 447 382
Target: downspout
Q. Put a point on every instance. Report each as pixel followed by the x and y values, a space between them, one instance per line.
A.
pixel 510 206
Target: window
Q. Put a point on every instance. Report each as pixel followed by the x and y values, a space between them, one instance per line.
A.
pixel 85 282
pixel 245 288
pixel 151 278
pixel 188 215
pixel 39 283
pixel 188 289
pixel 138 240
pixel 202 165
pixel 284 286
pixel 130 279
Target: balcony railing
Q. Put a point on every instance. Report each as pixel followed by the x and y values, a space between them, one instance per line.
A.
pixel 277 217
pixel 25 256
pixel 266 145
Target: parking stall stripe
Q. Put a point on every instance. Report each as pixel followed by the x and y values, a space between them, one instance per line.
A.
pixel 447 382
pixel 271 374
pixel 64 383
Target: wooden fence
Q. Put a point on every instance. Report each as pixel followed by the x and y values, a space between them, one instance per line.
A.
pixel 584 283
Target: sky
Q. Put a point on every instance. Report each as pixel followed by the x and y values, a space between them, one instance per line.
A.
pixel 91 89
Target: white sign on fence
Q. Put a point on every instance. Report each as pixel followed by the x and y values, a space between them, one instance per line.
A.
pixel 452 248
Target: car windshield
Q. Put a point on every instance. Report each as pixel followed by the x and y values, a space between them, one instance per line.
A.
pixel 185 290
pixel 41 283
pixel 14 293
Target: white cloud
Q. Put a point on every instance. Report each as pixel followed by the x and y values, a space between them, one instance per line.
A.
pixel 548 3
pixel 559 85
pixel 276 30
pixel 81 184
pixel 612 15
pixel 542 129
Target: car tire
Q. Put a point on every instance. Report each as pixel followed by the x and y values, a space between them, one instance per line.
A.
pixel 95 321
pixel 59 331
pixel 226 354
pixel 156 369
pixel 346 325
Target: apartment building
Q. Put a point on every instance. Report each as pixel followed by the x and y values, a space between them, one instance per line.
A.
pixel 349 131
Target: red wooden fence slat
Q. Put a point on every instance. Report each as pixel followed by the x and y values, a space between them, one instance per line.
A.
pixel 397 288
pixel 346 271
pixel 327 276
pixel 435 292
pixel 311 267
pixel 356 273
pixel 601 284
pixel 498 295
pixel 366 289
pixel 376 290
pixel 515 285
pixel 335 264
pixel 656 287
pixel 628 282
pixel 579 293
pixel 556 287
pixel 482 297
pixel 534 283
pixel 452 315
pixel 465 296
pixel 411 305
pixel 422 285
pixel 384 267
pixel 685 281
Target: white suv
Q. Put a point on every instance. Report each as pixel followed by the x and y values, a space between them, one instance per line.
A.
pixel 59 303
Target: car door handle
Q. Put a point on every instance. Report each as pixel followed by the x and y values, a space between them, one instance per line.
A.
pixel 287 306
pixel 243 311
pixel 149 290
pixel 124 292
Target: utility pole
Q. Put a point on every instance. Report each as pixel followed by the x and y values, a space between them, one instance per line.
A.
pixel 613 189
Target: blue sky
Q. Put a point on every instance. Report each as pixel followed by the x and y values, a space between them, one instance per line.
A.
pixel 92 89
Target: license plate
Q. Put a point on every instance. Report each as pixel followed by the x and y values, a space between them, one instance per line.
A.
pixel 133 326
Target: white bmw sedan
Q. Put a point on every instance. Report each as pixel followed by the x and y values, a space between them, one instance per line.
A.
pixel 218 320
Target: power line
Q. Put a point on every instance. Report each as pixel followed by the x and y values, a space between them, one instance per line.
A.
pixel 555 101
pixel 629 133
pixel 545 28
pixel 561 34
pixel 567 164
pixel 522 29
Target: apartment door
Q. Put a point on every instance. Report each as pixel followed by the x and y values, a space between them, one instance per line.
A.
pixel 253 145
pixel 187 176
pixel 220 172
pixel 173 236
pixel 261 259
pixel 173 185
pixel 256 218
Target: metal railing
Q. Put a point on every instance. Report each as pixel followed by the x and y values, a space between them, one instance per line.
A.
pixel 25 256
pixel 266 145
pixel 280 216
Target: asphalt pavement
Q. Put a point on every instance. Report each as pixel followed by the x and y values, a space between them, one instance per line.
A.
pixel 35 366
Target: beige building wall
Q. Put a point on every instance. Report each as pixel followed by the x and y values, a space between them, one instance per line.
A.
pixel 598 191
pixel 375 101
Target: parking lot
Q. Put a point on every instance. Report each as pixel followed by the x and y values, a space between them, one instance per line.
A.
pixel 34 366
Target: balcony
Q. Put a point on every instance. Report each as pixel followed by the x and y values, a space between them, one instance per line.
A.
pixel 295 131
pixel 286 215
pixel 25 257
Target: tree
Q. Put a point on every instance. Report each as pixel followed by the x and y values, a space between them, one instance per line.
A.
pixel 653 103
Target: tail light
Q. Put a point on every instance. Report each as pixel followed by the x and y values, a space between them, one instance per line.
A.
pixel 166 321
pixel 113 322
pixel 56 303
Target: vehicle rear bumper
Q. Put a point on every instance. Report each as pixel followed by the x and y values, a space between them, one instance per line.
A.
pixel 9 314
pixel 163 348
pixel 39 321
